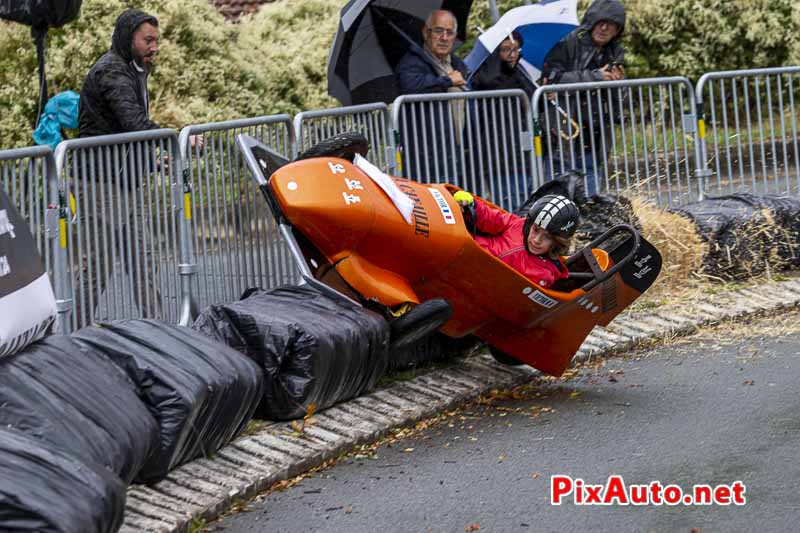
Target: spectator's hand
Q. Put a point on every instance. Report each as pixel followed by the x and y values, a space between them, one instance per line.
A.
pixel 463 198
pixel 197 141
pixel 608 73
pixel 457 79
pixel 613 73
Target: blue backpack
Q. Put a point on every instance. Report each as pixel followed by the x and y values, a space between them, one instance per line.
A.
pixel 61 111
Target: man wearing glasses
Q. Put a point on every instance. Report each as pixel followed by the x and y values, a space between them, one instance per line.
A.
pixel 433 68
pixel 432 130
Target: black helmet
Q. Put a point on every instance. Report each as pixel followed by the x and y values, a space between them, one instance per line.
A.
pixel 555 214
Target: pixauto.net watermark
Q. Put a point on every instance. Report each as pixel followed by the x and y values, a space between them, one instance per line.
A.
pixel 616 492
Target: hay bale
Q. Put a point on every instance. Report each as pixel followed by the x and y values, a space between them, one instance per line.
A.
pixel 681 247
pixel 747 235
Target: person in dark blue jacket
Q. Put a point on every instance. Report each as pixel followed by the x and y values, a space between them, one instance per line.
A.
pixel 433 129
pixel 433 68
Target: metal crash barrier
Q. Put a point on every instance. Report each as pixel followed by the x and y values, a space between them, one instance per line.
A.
pixel 372 120
pixel 122 236
pixel 634 136
pixel 28 177
pixel 149 224
pixel 480 141
pixel 749 131
pixel 235 243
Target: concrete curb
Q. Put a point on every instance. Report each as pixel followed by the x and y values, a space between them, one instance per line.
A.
pixel 205 488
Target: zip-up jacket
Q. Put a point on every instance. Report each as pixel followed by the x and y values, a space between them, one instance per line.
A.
pixel 114 93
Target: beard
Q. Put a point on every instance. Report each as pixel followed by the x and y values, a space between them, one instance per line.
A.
pixel 145 62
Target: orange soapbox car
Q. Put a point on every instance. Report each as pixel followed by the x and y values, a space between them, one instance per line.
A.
pixel 403 248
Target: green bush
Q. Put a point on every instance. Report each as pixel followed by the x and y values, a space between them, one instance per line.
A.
pixel 288 42
pixel 275 61
pixel 208 69
pixel 690 37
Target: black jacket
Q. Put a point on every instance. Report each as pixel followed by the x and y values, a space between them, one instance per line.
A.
pixel 113 93
pixel 416 74
pixel 495 74
pixel 575 58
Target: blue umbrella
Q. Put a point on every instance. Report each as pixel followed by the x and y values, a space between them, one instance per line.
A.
pixel 541 25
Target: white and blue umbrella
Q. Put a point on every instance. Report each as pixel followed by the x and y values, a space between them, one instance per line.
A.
pixel 541 25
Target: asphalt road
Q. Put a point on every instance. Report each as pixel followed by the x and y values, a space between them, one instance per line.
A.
pixel 705 410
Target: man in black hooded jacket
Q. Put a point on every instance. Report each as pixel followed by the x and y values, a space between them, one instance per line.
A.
pixel 114 205
pixel 114 97
pixel 592 52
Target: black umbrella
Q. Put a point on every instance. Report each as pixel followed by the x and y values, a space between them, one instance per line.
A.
pixel 373 36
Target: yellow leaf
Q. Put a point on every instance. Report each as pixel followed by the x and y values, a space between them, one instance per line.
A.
pixel 310 410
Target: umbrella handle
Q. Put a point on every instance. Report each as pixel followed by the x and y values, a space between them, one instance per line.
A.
pixel 575 126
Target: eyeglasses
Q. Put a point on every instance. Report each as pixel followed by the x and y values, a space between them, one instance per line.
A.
pixel 438 32
pixel 509 51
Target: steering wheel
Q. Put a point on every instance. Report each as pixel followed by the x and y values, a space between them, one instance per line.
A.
pixel 591 260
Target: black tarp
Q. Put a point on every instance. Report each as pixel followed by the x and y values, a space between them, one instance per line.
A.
pixel 201 393
pixel 79 401
pixel 747 233
pixel 45 489
pixel 313 350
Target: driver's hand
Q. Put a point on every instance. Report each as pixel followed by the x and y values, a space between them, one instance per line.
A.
pixel 463 198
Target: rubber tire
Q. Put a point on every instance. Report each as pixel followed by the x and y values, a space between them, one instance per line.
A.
pixel 420 322
pixel 345 145
pixel 503 358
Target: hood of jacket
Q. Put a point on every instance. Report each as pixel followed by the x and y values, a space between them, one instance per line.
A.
pixel 125 27
pixel 612 10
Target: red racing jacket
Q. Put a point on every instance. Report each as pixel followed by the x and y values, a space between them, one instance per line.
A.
pixel 505 241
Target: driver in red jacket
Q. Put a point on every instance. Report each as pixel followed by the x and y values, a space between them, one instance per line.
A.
pixel 532 245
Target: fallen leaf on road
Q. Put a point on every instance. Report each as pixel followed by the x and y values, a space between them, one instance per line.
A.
pixel 408 450
pixel 348 510
pixel 536 475
pixel 748 382
pixel 472 527
pixel 501 458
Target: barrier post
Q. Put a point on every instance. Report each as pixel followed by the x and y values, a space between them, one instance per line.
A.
pixel 372 120
pixel 29 177
pixel 481 141
pixel 233 242
pixel 627 135
pixel 120 213
pixel 750 127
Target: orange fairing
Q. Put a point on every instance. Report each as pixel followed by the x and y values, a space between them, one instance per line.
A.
pixel 387 259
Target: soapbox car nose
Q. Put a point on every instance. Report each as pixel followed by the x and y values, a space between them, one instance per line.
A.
pixel 402 248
